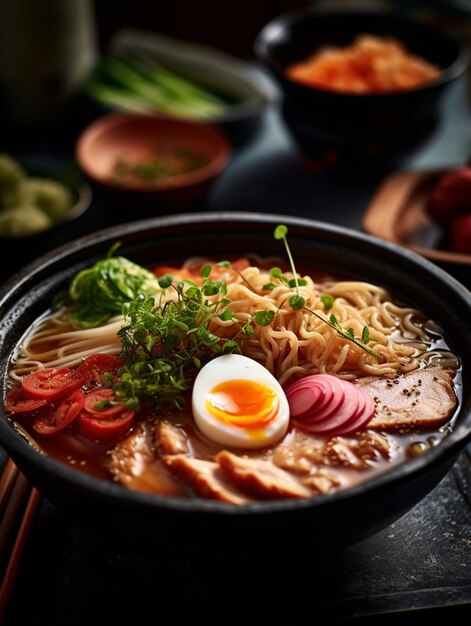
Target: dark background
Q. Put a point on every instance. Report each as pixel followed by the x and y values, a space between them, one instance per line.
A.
pixel 229 26
pixel 233 26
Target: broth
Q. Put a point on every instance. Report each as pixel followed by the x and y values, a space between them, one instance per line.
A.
pixel 93 457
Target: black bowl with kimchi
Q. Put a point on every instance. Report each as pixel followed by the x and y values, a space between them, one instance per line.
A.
pixel 341 126
pixel 326 505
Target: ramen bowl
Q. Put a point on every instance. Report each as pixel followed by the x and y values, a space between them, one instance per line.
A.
pixel 330 521
pixel 333 127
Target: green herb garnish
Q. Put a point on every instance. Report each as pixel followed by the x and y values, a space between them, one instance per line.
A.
pixel 327 300
pixel 298 302
pixel 165 343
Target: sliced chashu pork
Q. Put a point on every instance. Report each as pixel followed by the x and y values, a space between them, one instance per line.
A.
pixel 170 439
pixel 423 398
pixel 259 478
pixel 205 478
pixel 154 460
pixel 303 454
pixel 133 463
pixel 357 453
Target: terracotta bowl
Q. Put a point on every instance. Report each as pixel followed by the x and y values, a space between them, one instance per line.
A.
pixel 137 138
pixel 322 522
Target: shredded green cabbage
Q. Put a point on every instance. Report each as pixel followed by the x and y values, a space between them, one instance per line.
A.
pixel 99 292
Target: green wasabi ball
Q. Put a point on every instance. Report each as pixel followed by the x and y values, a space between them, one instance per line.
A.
pixel 52 197
pixel 11 176
pixel 24 220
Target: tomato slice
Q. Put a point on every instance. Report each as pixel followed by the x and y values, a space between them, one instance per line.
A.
pixel 95 428
pixel 57 416
pixel 51 384
pixel 17 402
pixel 230 274
pixel 178 273
pixel 104 395
pixel 192 270
pixel 95 366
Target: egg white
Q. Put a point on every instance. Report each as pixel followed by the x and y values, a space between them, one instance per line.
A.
pixel 237 367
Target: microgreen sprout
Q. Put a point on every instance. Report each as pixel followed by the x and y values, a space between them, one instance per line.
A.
pixel 327 300
pixel 298 302
pixel 165 341
pixel 280 233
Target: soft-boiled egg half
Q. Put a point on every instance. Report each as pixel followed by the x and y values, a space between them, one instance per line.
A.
pixel 237 402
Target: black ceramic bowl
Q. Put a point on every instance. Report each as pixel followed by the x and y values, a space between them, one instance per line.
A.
pixel 333 127
pixel 329 521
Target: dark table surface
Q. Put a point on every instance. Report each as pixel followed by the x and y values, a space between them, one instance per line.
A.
pixel 421 565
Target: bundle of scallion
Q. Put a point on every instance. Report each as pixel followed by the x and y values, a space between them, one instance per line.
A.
pixel 142 85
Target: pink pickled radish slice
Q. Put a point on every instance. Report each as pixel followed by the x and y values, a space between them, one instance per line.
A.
pixel 326 405
pixel 361 420
pixel 320 394
pixel 344 413
pixel 316 390
pixel 357 418
pixel 335 390
pixel 304 399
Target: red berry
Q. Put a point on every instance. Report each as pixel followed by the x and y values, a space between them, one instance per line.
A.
pixel 461 233
pixel 450 196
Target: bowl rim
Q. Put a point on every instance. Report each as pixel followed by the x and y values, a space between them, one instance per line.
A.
pixel 290 18
pixel 109 121
pixel 100 489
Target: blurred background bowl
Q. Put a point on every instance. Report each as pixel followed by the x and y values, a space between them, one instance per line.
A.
pixel 398 212
pixel 143 139
pixel 155 73
pixel 333 127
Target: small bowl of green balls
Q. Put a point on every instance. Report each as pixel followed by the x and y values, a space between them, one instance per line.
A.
pixel 33 203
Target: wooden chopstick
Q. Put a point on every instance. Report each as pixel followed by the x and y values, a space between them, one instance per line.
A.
pixel 19 502
pixel 7 481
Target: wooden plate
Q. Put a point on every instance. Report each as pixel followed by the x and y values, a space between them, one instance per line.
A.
pixel 397 213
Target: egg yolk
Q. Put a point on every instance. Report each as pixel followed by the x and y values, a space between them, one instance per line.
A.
pixel 243 403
